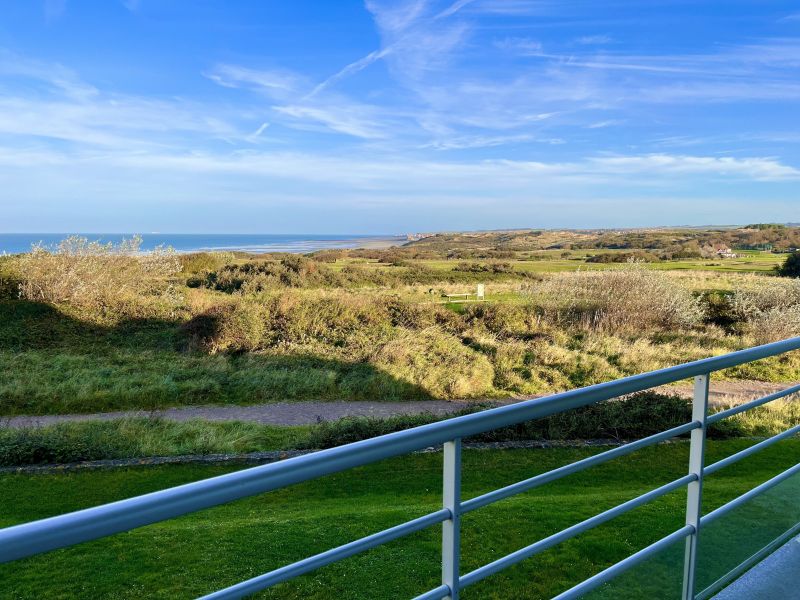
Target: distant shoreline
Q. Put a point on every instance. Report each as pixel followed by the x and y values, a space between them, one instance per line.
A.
pixel 14 243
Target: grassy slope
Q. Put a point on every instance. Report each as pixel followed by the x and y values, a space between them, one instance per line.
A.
pixel 51 362
pixel 198 553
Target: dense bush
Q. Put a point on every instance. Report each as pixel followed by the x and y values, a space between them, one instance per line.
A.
pixel 330 319
pixel 9 278
pixel 769 309
pixel 631 299
pixel 505 319
pixel 97 277
pixel 301 272
pixel 791 266
pixel 493 267
pixel 718 308
pixel 622 257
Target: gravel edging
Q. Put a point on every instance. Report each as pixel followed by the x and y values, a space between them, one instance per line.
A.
pixel 259 458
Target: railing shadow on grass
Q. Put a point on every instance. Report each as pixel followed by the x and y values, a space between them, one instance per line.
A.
pixel 57 532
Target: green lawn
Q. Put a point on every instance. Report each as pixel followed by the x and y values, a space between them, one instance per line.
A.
pixel 746 262
pixel 198 553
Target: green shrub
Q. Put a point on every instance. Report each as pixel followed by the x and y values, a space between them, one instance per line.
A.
pixel 718 308
pixel 622 257
pixel 202 262
pixel 140 437
pixel 791 266
pixel 9 279
pixel 503 318
pixel 235 326
pixel 633 417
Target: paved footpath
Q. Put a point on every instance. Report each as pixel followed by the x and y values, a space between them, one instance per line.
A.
pixel 304 413
pixel 278 413
pixel 774 578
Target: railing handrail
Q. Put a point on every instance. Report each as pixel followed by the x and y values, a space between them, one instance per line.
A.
pixel 64 530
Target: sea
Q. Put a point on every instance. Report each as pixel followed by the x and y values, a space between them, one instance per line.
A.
pixel 258 243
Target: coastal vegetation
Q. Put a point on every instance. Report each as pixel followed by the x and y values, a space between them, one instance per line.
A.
pixel 89 327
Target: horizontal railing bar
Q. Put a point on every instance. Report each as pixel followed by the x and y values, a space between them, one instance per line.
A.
pixel 64 530
pixel 746 564
pixel 724 414
pixel 570 532
pixel 613 571
pixel 251 586
pixel 597 459
pixel 435 594
pixel 760 489
pixel 733 458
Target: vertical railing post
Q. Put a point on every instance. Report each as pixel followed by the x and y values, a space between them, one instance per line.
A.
pixel 451 529
pixel 694 497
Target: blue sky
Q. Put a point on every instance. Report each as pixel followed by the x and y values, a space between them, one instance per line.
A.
pixel 394 116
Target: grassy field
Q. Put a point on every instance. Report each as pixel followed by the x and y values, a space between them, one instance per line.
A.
pixel 196 554
pixel 746 262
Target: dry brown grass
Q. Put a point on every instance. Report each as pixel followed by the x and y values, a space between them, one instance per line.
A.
pixel 97 277
pixel 632 299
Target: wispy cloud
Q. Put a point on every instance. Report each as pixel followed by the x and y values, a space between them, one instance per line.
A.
pixel 591 40
pixel 275 83
pixel 66 108
pixel 604 124
pixel 351 69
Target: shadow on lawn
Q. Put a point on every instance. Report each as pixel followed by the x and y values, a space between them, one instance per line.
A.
pixel 26 325
pixel 55 363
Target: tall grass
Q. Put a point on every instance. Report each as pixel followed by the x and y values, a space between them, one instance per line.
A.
pixel 101 327
pixel 97 277
pixel 632 299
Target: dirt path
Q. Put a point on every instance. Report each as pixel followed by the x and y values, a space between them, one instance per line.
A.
pixel 303 413
pixel 729 392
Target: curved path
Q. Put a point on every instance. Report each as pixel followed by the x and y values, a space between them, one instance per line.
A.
pixel 305 413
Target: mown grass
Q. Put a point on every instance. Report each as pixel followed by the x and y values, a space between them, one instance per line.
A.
pixel 747 262
pixel 196 554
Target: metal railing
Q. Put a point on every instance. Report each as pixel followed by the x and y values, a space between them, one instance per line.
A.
pixel 57 532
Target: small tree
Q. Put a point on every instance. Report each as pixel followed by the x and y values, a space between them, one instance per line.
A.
pixel 791 267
